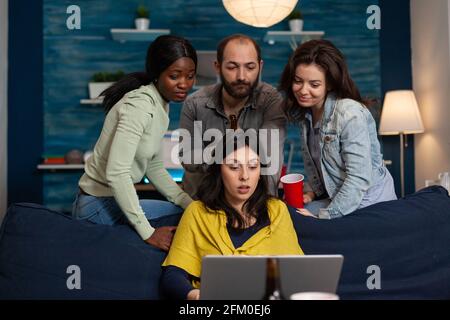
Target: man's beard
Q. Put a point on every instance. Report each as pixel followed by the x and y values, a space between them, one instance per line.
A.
pixel 246 88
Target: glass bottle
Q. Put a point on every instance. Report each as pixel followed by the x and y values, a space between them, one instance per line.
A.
pixel 273 282
pixel 233 122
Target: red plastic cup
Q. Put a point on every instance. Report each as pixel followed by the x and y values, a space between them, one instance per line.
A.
pixel 293 189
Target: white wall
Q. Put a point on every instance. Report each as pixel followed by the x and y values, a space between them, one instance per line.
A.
pixel 430 48
pixel 3 103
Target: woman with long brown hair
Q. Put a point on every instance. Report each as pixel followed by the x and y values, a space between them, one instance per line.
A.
pixel 235 215
pixel 340 148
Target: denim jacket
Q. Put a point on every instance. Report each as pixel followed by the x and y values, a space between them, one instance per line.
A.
pixel 351 160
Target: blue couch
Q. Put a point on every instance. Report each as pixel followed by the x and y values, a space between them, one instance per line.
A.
pixel 408 239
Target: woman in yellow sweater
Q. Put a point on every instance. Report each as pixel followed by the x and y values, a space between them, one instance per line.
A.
pixel 128 146
pixel 235 215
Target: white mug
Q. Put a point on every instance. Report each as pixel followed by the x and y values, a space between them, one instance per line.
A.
pixel 311 295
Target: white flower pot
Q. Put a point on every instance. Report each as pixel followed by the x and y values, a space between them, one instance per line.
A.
pixel 296 25
pixel 142 23
pixel 96 88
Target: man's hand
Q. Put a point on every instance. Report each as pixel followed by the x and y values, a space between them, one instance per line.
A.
pixel 194 294
pixel 162 238
pixel 308 197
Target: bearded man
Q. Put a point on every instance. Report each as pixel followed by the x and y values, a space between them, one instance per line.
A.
pixel 240 101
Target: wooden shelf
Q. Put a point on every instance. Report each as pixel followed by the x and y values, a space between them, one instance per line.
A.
pixel 176 173
pixel 147 186
pixel 292 37
pixel 54 167
pixel 123 35
pixel 92 101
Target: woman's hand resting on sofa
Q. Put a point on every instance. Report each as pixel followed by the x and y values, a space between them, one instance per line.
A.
pixel 162 238
pixel 307 198
pixel 305 212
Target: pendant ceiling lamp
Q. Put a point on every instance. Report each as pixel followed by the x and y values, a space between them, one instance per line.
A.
pixel 259 13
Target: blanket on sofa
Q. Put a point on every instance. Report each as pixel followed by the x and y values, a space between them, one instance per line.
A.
pixel 404 244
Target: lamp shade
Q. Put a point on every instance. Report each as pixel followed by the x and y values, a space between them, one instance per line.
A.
pixel 400 113
pixel 259 13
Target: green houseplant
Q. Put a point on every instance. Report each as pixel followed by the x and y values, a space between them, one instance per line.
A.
pixel 107 76
pixel 295 19
pixel 101 81
pixel 142 21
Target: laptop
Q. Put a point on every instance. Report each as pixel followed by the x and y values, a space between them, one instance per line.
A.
pixel 206 72
pixel 244 277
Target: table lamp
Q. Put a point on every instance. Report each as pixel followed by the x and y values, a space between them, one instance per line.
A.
pixel 400 116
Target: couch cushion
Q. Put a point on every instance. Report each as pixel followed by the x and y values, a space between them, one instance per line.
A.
pixel 38 245
pixel 408 239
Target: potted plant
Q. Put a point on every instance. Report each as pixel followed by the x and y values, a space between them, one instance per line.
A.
pixel 295 19
pixel 101 81
pixel 142 20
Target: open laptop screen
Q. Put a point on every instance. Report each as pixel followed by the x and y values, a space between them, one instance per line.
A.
pixel 244 277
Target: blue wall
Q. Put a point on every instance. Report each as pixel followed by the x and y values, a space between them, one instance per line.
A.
pixel 396 74
pixel 70 57
pixel 25 100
